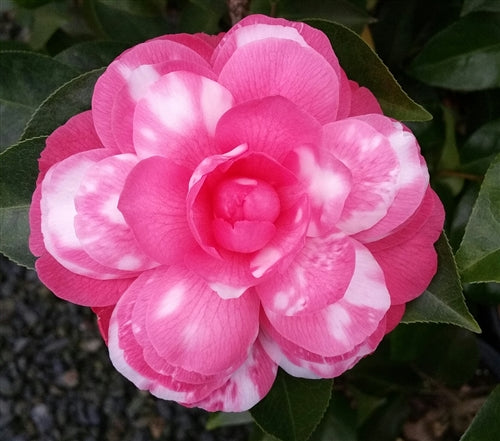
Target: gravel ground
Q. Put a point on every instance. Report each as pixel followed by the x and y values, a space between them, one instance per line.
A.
pixel 57 383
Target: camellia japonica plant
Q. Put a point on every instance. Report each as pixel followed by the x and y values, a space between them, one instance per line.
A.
pixel 236 207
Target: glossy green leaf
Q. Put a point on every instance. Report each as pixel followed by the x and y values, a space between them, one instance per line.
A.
pixel 479 254
pixel 31 3
pixel 71 98
pixel 481 148
pixel 480 5
pixel 443 300
pixel 339 422
pixel 202 16
pixel 465 56
pixel 224 419
pixel 46 21
pixel 27 79
pixel 18 173
pixel 293 407
pixel 91 55
pixel 364 66
pixel 486 424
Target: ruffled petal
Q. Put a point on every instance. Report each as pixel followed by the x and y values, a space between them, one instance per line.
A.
pixel 117 73
pixel 269 67
pixel 374 168
pixel 59 188
pixel 317 277
pixel 153 203
pixel 408 257
pixel 177 118
pixel 343 325
pixel 78 289
pixel 99 225
pixel 273 126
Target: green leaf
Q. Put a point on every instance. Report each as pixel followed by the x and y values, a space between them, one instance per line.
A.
pixel 202 16
pixel 480 5
pixel 364 66
pixel 224 419
pixel 479 254
pixel 18 173
pixel 465 56
pixel 91 55
pixel 46 21
pixel 293 407
pixel 442 301
pixel 71 98
pixel 27 79
pixel 481 148
pixel 339 422
pixel 486 424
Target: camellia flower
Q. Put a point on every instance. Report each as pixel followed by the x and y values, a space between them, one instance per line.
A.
pixel 232 204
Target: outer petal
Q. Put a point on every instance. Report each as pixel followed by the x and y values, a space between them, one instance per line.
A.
pixel 272 125
pixel 137 85
pixel 202 44
pixel 78 289
pixel 413 178
pixel 246 387
pixel 363 101
pixel 269 67
pixel 99 225
pixel 317 277
pixel 190 326
pixel 110 83
pixel 374 169
pixel 153 203
pixel 59 188
pixel 103 314
pixel 178 116
pixel 408 257
pixel 341 326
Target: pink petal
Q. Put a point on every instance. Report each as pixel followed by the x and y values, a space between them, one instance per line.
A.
pixel 78 289
pixel 136 86
pixel 408 257
pixel 328 183
pixel 374 169
pixel 413 178
pixel 317 277
pixel 246 387
pixel 272 125
pixel 393 316
pixel 59 188
pixel 341 326
pixel 99 225
pixel 177 118
pixel 202 44
pixel 115 76
pixel 363 101
pixel 345 96
pixel 299 362
pixel 153 203
pixel 269 67
pixel 103 314
pixel 190 326
pixel 259 27
pixel 76 135
pixel 36 245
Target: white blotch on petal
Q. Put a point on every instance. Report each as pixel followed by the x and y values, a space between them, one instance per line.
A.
pixel 129 263
pixel 215 101
pixel 110 210
pixel 261 31
pixel 149 134
pixel 227 291
pixel 140 80
pixel 171 301
pixel 264 260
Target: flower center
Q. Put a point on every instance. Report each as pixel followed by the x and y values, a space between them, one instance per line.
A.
pixel 244 210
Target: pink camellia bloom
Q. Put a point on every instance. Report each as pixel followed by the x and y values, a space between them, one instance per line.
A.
pixel 232 204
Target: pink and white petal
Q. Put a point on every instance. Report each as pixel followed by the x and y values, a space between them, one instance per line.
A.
pixel 317 277
pixel 328 183
pixel 374 169
pixel 99 225
pixel 202 44
pixel 153 204
pixel 59 188
pixel 345 96
pixel 136 86
pixel 299 362
pixel 103 314
pixel 76 135
pixel 246 387
pixel 260 27
pixel 413 178
pixel 177 118
pixel 340 326
pixel 117 73
pixel 127 356
pixel 190 326
pixel 363 101
pixel 409 265
pixel 273 126
pixel 36 245
pixel 269 67
pixel 78 289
